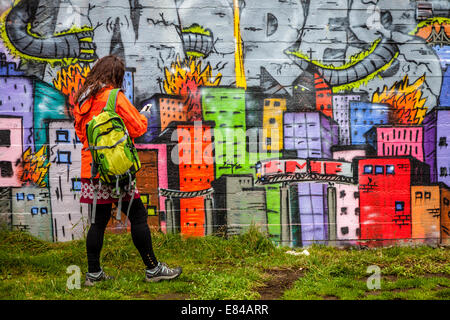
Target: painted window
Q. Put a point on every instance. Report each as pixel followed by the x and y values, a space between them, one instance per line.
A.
pixel 368 169
pixel 5 138
pixel 379 169
pixel 390 169
pixel 44 210
pixel 20 196
pixel 76 184
pixel 34 211
pixel 62 136
pixel 399 205
pixel 30 197
pixel 64 157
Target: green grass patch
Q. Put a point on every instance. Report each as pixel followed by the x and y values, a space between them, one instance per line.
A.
pixel 216 268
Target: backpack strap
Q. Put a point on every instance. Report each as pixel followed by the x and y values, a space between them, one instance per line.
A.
pixel 111 103
pixel 132 188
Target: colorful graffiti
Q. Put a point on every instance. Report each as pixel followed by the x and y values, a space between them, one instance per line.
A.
pixel 315 121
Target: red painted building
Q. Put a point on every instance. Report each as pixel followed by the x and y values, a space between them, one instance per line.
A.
pixel 324 96
pixel 190 169
pixel 385 197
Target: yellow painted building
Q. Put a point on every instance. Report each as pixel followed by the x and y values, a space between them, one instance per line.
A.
pixel 273 111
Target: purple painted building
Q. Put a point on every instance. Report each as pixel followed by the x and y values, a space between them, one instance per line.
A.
pixel 311 135
pixel 16 100
pixel 436 144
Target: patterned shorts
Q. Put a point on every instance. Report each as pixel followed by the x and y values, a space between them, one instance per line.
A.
pixel 104 195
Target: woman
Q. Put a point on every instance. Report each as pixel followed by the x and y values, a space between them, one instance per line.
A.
pixel 107 74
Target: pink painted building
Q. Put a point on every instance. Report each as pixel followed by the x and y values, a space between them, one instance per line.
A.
pixel 347 197
pixel 397 140
pixel 11 129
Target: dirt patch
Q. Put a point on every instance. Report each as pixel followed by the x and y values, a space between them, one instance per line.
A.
pixel 172 296
pixel 330 298
pixel 280 280
pixel 165 296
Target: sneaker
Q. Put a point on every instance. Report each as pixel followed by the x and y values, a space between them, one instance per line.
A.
pixel 93 277
pixel 162 272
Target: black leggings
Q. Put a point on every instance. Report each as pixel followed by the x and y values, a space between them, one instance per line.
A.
pixel 140 233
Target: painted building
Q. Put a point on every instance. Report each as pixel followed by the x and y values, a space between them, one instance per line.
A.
pixel 31 212
pixel 164 109
pixel 239 205
pixel 226 107
pixel 8 68
pixel 437 150
pixel 397 140
pixel 128 83
pixel 363 116
pixel 142 182
pixel 385 197
pixel 254 107
pixel 324 96
pixel 69 217
pixel 426 214
pixel 445 216
pixel 147 184
pixel 347 207
pixel 11 148
pixel 341 114
pixel 17 100
pixel 191 170
pixel 273 111
pixel 5 207
pixel 311 135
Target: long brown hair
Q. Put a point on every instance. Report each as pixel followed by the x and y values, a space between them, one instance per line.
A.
pixel 107 71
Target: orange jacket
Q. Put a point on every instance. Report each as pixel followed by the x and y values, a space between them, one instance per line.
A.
pixel 135 122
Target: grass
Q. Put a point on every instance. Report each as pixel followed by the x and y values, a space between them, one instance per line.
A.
pixel 238 268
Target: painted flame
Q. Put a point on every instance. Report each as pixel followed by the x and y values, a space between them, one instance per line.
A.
pixel 405 100
pixel 70 79
pixel 184 79
pixel 34 167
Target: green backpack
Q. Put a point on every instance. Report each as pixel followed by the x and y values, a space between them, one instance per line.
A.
pixel 114 155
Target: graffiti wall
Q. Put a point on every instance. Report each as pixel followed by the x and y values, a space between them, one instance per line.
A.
pixel 315 121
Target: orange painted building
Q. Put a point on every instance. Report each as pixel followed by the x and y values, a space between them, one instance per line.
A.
pixel 190 169
pixel 430 214
pixel 425 214
pixel 445 214
pixel 171 109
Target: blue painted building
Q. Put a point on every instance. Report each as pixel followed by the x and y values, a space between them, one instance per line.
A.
pixel 363 116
